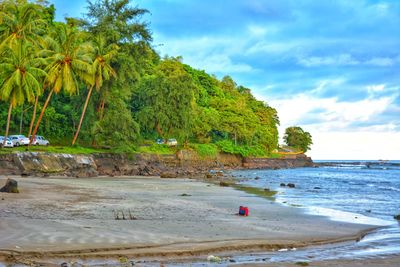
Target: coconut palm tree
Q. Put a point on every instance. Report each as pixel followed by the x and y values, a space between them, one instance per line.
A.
pixel 69 61
pixel 19 20
pixel 20 76
pixel 102 71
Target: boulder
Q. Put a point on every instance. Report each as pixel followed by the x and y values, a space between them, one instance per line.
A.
pixel 11 186
pixel 397 217
pixel 291 185
pixel 209 176
pixel 283 184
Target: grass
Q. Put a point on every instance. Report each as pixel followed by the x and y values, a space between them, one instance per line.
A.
pixel 206 150
pixel 157 149
pixel 54 149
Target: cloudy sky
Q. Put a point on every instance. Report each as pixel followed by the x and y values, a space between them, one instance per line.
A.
pixel 331 67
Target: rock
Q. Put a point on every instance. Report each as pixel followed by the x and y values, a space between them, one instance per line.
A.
pixel 317 187
pixel 64 264
pixel 209 176
pixel 213 258
pixel 222 183
pixel 283 184
pixel 25 174
pixel 291 185
pixel 257 178
pixel 11 186
pixel 397 217
pixel 185 195
pixel 219 174
pixel 369 211
pixel 232 260
pixel 267 189
pixel 168 175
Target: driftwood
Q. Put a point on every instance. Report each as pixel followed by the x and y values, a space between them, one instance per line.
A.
pixel 10 187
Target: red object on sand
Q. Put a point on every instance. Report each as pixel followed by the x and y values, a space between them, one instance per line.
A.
pixel 243 211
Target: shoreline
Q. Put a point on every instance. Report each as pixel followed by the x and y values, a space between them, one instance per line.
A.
pixel 270 225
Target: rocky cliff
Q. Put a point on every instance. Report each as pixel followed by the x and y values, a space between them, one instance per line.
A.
pixel 183 164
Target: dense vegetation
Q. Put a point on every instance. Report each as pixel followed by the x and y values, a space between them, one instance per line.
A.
pixel 296 137
pixel 99 82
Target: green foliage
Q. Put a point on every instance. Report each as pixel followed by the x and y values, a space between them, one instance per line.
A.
pixel 165 100
pixel 228 146
pixel 117 128
pixel 206 150
pixel 157 149
pixel 296 137
pixel 146 98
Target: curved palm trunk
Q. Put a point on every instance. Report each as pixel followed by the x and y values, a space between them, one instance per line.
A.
pixel 40 117
pixel 33 116
pixel 8 124
pixel 83 115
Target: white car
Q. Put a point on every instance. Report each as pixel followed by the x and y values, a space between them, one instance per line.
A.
pixel 8 143
pixel 40 141
pixel 19 140
pixel 172 142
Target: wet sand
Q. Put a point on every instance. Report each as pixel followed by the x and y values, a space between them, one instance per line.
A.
pixel 66 218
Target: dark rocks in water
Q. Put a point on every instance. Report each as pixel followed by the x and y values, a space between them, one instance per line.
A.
pixel 283 184
pixel 185 195
pixel 369 211
pixel 11 186
pixel 267 189
pixel 291 185
pixel 257 178
pixel 222 183
pixel 232 260
pixel 25 174
pixel 64 264
pixel 168 175
pixel 317 187
pixel 397 217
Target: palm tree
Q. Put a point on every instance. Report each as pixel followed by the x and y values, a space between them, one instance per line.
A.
pixel 19 20
pixel 19 76
pixel 102 71
pixel 69 60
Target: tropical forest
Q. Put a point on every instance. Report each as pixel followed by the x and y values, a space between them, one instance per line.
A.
pixel 97 82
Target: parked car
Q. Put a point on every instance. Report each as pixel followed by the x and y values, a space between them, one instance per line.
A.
pixel 160 141
pixel 8 143
pixel 172 142
pixel 19 140
pixel 39 141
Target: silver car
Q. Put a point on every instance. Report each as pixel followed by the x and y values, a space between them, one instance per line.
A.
pixel 39 141
pixel 19 140
pixel 8 142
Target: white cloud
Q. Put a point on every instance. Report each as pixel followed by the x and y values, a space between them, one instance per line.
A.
pixel 339 60
pixel 380 61
pixel 334 135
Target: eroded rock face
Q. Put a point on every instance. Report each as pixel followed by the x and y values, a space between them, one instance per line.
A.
pixel 183 164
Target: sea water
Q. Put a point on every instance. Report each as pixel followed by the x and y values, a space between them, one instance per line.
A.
pixel 356 192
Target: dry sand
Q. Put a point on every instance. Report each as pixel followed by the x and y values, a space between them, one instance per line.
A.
pixel 70 218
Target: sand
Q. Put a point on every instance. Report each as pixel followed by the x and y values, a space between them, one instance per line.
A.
pixel 65 218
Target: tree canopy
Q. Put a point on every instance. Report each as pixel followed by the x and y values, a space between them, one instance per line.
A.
pixel 138 95
pixel 296 137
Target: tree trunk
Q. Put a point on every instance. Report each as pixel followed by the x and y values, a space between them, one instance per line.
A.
pixel 41 116
pixel 102 109
pixel 8 124
pixel 21 119
pixel 83 114
pixel 33 116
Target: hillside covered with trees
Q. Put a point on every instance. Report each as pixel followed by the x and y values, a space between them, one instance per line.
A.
pixel 98 81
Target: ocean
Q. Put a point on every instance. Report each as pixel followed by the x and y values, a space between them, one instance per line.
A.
pixel 351 191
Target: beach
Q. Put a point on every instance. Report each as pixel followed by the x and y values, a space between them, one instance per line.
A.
pixel 55 219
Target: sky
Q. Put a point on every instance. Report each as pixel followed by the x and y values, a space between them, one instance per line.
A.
pixel 331 67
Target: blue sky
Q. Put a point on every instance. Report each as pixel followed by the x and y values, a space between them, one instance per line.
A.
pixel 331 67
